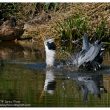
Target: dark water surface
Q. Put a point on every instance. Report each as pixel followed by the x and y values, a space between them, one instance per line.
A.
pixel 24 81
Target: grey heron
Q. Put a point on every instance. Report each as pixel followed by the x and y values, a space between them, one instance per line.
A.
pixel 90 56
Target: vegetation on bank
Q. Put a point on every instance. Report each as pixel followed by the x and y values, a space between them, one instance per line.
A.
pixel 67 21
pixel 74 27
pixel 25 11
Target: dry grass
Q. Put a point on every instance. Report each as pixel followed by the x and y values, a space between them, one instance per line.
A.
pixel 95 12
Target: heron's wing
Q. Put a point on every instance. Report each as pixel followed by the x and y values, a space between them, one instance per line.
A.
pixel 86 45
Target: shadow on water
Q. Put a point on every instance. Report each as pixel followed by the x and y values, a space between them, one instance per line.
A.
pixel 25 81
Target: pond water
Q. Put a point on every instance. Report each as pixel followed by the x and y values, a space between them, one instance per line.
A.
pixel 24 81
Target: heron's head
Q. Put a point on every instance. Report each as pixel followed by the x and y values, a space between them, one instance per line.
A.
pixel 49 44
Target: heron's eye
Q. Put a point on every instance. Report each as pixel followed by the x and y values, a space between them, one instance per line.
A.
pixel 51 46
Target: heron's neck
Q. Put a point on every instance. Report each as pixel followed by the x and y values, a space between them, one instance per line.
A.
pixel 50 57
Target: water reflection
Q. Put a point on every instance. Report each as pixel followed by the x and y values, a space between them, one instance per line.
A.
pixel 10 50
pixel 87 83
pixel 1 65
pixel 92 84
pixel 15 51
pixel 1 61
pixel 25 83
pixel 50 83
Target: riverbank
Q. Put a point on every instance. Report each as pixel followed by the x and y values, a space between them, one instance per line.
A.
pixel 45 24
